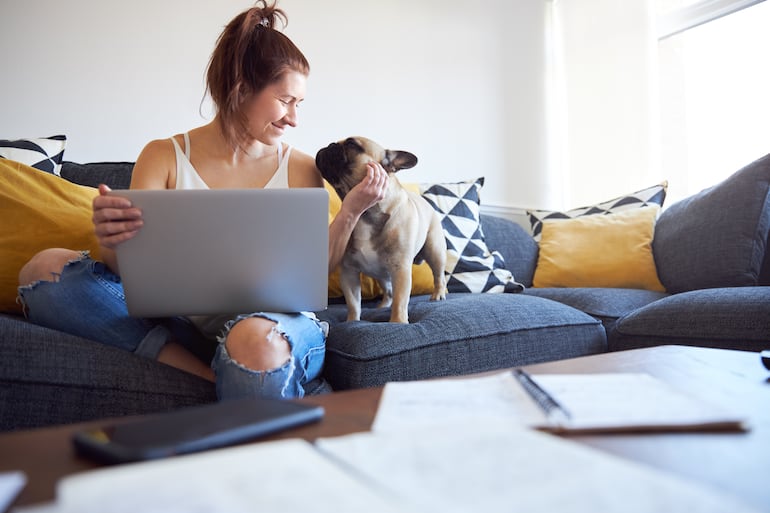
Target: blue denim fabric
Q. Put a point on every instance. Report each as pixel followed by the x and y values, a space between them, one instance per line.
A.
pixel 87 300
pixel 307 338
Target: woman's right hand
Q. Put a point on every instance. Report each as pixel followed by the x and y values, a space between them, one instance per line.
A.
pixel 115 219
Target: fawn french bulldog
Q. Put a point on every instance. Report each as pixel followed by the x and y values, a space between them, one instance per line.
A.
pixel 399 230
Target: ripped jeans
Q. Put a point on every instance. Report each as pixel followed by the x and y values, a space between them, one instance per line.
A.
pixel 87 300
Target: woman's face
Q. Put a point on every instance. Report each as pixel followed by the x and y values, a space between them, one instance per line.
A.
pixel 274 108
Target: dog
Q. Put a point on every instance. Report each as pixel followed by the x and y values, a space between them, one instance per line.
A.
pixel 401 229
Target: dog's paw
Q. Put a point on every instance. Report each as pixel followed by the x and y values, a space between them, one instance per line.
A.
pixel 439 294
pixel 438 297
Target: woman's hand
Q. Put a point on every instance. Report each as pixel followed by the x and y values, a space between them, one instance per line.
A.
pixel 115 220
pixel 362 197
pixel 368 192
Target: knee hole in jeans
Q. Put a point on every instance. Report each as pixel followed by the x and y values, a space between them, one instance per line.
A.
pixel 258 344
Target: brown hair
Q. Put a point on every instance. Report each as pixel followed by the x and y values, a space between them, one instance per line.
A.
pixel 250 55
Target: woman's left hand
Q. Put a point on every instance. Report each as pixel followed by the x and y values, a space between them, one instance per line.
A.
pixel 369 191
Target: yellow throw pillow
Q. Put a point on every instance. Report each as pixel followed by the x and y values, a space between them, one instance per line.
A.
pixel 38 210
pixel 422 277
pixel 613 250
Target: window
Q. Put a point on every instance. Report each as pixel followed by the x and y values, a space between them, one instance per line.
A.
pixel 714 89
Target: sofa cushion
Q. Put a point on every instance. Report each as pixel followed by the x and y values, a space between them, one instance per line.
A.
pixel 728 318
pixel 40 211
pixel 464 334
pixel 514 243
pixel 612 250
pixel 470 265
pixel 61 378
pixel 718 237
pixel 115 174
pixel 605 304
pixel 45 153
pixel 654 195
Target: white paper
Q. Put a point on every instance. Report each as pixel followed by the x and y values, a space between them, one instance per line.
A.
pixel 594 401
pixel 404 405
pixel 278 476
pixel 494 467
pixel 11 483
pixel 628 399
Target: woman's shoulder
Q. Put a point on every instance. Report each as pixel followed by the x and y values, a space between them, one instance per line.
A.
pixel 302 170
pixel 155 165
pixel 158 147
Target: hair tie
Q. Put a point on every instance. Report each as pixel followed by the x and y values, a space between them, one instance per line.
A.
pixel 265 22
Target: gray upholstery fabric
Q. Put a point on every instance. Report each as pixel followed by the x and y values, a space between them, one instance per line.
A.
pixel 115 174
pixel 718 237
pixel 59 378
pixel 517 246
pixel 731 318
pixel 602 303
pixel 466 333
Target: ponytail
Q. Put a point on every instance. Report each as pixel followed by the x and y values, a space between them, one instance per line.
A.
pixel 250 54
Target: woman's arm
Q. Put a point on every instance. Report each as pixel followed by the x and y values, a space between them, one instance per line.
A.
pixel 362 197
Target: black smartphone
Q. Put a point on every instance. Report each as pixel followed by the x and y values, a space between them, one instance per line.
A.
pixel 192 429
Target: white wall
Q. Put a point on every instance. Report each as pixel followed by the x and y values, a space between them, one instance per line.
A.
pixel 609 121
pixel 460 84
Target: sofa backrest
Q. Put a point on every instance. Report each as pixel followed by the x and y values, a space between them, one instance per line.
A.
pixel 718 237
pixel 117 175
pixel 515 244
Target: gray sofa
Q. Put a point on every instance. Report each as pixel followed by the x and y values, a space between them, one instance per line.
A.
pixel 710 252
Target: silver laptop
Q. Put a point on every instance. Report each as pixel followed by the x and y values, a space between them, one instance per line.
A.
pixel 226 251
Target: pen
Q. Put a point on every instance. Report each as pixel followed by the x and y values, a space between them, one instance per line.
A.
pixel 555 413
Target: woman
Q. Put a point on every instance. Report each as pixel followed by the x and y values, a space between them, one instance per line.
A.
pixel 256 78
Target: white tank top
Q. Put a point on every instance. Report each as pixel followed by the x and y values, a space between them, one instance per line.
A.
pixel 188 178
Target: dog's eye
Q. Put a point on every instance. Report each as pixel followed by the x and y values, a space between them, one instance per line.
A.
pixel 352 143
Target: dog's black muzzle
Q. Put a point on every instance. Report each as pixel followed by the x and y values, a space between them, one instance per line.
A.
pixel 331 162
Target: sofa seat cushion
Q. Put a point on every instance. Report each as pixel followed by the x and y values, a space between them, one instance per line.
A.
pixel 62 379
pixel 467 333
pixel 728 318
pixel 605 304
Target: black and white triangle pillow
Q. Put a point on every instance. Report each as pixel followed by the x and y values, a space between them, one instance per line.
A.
pixel 470 266
pixel 654 195
pixel 45 153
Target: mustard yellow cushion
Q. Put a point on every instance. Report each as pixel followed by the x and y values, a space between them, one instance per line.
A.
pixel 422 277
pixel 613 250
pixel 38 210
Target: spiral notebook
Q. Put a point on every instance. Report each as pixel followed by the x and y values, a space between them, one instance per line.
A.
pixel 559 403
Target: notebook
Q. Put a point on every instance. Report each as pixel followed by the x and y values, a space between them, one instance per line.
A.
pixel 616 402
pixel 203 252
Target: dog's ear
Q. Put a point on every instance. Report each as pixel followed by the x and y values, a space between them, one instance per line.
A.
pixel 395 160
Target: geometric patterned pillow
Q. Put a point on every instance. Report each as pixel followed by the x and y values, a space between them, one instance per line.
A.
pixel 470 266
pixel 45 154
pixel 654 195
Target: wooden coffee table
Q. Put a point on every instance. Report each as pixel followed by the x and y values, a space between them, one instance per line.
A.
pixel 738 463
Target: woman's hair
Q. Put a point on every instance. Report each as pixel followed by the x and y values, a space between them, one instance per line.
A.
pixel 250 55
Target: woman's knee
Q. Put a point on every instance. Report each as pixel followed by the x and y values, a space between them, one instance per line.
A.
pixel 257 343
pixel 46 264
